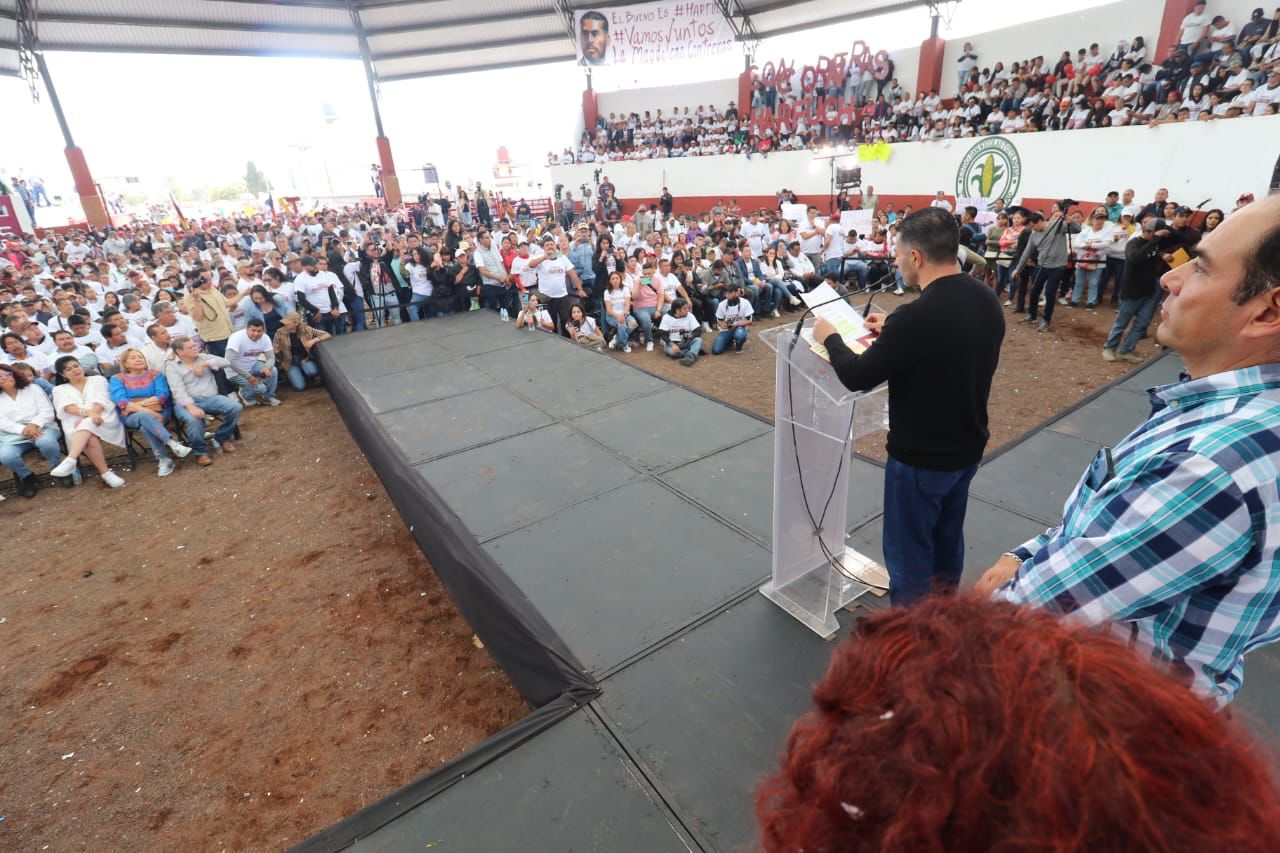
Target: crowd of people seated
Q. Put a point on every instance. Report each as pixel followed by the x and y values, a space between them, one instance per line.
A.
pixel 170 333
pixel 1216 71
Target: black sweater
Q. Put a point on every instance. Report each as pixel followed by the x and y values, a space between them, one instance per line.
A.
pixel 938 355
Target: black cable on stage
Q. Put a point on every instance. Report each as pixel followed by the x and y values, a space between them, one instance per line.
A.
pixel 795 447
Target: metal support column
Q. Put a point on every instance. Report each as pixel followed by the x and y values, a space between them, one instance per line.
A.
pixel 390 183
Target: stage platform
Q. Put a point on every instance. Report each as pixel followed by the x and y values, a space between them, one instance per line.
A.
pixel 605 532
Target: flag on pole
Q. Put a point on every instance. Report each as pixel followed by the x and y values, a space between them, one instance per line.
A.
pixel 182 220
pixel 271 204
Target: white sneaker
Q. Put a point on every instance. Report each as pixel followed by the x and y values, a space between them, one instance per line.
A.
pixel 504 315
pixel 775 314
pixel 179 450
pixel 63 468
pixel 627 348
pixel 648 347
pixel 248 402
pixel 706 327
pixel 166 468
pixel 793 299
pixel 112 479
pixel 613 344
pixel 274 401
pixel 1008 303
pixel 898 291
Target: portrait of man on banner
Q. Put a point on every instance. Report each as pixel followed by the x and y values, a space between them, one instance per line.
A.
pixel 593 38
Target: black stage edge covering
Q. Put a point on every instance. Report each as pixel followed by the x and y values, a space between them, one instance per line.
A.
pixel 605 530
pixel 515 634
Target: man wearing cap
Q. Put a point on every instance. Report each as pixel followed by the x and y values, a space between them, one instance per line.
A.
pixel 1146 257
pixel 321 290
pixel 1180 230
pixel 1252 33
pixel 1268 94
pixel 1171 537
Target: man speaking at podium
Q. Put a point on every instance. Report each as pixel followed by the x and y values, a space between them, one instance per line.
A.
pixel 938 355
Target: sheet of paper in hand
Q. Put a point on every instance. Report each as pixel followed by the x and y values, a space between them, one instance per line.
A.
pixel 842 315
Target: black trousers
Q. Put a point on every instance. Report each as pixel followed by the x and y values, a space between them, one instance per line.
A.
pixel 558 307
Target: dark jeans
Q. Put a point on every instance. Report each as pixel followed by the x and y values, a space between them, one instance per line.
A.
pixel 923 529
pixel 218 348
pixel 1113 272
pixel 497 297
pixel 1047 280
pixel 558 307
pixel 1139 312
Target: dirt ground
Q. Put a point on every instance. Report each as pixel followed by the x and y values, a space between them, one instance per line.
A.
pixel 230 658
pixel 1040 374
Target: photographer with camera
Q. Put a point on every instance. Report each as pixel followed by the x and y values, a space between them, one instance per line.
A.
pixel 210 310
pixel 1146 259
pixel 1048 246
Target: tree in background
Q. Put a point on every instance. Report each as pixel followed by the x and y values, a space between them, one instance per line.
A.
pixel 254 179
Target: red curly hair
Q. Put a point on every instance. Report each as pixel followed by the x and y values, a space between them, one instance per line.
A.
pixel 966 724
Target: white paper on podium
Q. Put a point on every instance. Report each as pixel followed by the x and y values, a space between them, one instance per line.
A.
pixel 842 315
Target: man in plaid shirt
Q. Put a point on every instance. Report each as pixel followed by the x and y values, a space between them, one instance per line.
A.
pixel 1173 536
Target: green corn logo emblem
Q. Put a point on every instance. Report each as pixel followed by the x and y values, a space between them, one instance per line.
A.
pixel 991 169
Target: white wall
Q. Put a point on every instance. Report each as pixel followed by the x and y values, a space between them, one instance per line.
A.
pixel 1084 164
pixel 706 92
pixel 906 63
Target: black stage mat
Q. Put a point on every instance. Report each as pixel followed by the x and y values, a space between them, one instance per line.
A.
pixel 570 788
pixel 709 714
pixel 620 572
pixel 633 517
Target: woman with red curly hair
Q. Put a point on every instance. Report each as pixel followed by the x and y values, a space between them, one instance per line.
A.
pixel 966 724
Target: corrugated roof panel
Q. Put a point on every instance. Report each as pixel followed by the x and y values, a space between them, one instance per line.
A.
pixel 462 37
pixel 817 13
pixel 98 37
pixel 271 14
pixel 466 60
pixel 426 13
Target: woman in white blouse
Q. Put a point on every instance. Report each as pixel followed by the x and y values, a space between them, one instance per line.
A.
pixel 26 423
pixel 83 405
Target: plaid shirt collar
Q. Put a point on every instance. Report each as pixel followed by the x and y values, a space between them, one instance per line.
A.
pixel 1218 386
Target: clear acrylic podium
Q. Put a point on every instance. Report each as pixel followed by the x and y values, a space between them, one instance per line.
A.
pixel 815 420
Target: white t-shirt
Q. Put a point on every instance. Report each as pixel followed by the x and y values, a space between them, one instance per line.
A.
pixel 810 245
pixel 1264 97
pixel 316 289
pixel 616 300
pixel 520 270
pixel 419 280
pixel 249 350
pixel 1192 26
pixel 835 249
pixel 755 234
pixel 942 203
pixel 731 314
pixel 681 329
pixel 552 274
pixel 669 286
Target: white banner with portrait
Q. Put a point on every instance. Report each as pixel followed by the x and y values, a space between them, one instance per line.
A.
pixel 650 33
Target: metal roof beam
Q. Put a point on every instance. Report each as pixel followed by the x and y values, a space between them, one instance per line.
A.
pixel 192 24
pixel 197 51
pixel 416 75
pixel 400 29
pixel 461 48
